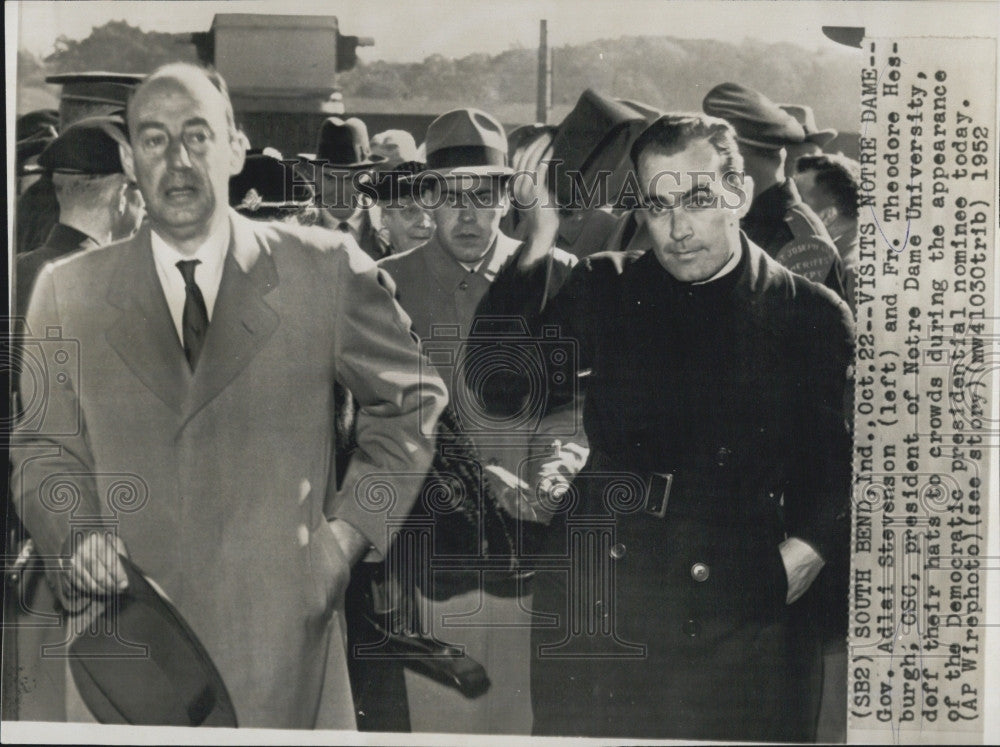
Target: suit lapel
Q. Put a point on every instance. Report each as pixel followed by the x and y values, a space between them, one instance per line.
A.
pixel 243 320
pixel 143 335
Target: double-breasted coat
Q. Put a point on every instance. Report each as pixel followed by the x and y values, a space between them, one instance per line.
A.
pixel 221 481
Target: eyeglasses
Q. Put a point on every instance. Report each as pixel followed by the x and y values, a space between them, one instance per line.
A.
pixel 153 142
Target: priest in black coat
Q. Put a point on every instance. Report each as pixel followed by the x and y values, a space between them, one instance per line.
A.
pixel 718 481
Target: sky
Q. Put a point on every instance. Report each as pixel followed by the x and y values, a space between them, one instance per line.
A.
pixel 409 31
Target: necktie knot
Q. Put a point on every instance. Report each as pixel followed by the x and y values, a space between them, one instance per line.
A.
pixel 186 266
pixel 344 226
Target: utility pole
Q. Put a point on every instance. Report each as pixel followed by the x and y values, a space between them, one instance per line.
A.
pixel 544 100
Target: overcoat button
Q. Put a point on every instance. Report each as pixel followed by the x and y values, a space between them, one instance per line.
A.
pixel 618 551
pixel 722 456
pixel 691 628
pixel 463 285
pixel 699 572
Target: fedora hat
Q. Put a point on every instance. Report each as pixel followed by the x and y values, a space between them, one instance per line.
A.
pixel 467 142
pixel 594 137
pixel 397 146
pixel 804 116
pixel 268 184
pixel 522 135
pixel 400 182
pixel 651 113
pixel 757 120
pixel 343 144
pixel 140 663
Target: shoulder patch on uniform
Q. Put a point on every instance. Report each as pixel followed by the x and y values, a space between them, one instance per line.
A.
pixel 809 257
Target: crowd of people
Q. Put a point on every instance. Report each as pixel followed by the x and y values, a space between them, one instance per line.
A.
pixel 533 432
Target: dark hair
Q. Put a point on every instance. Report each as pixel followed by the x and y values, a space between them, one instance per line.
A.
pixel 672 133
pixel 839 178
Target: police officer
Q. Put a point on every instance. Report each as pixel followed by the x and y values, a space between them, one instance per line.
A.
pixel 778 221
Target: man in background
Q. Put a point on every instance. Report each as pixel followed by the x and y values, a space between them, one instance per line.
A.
pixel 95 206
pixel 440 285
pixel 830 185
pixel 778 221
pixel 344 156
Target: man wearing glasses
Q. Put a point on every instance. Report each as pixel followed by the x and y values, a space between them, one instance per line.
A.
pixel 719 470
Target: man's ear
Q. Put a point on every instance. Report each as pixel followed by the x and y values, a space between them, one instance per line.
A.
pixel 128 161
pixel 239 143
pixel 746 198
pixel 122 201
pixel 828 215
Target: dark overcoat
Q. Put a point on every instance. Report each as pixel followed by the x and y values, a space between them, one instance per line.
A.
pixel 714 415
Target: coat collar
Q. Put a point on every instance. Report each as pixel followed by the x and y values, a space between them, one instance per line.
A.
pixel 65 239
pixel 245 316
pixel 449 272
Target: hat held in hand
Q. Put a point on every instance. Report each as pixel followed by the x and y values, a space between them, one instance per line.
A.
pixel 758 121
pixel 592 143
pixel 804 116
pixel 173 682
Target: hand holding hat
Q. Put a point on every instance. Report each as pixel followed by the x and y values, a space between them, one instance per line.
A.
pixel 143 664
pixel 758 121
pixel 94 568
pixel 804 116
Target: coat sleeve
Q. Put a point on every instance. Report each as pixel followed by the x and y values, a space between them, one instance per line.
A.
pixel 53 465
pixel 818 499
pixel 399 399
pixel 553 302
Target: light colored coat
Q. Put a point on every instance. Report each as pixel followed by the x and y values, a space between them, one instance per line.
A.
pixel 441 296
pixel 221 481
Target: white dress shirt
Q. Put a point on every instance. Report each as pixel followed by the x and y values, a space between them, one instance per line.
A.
pixel 207 274
pixel 355 224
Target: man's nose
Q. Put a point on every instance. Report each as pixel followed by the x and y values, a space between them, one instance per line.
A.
pixel 178 156
pixel 680 224
pixel 424 219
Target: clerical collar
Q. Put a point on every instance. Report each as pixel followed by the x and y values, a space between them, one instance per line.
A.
pixel 726 268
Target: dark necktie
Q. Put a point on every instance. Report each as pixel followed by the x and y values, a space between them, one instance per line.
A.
pixel 194 321
pixel 344 227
